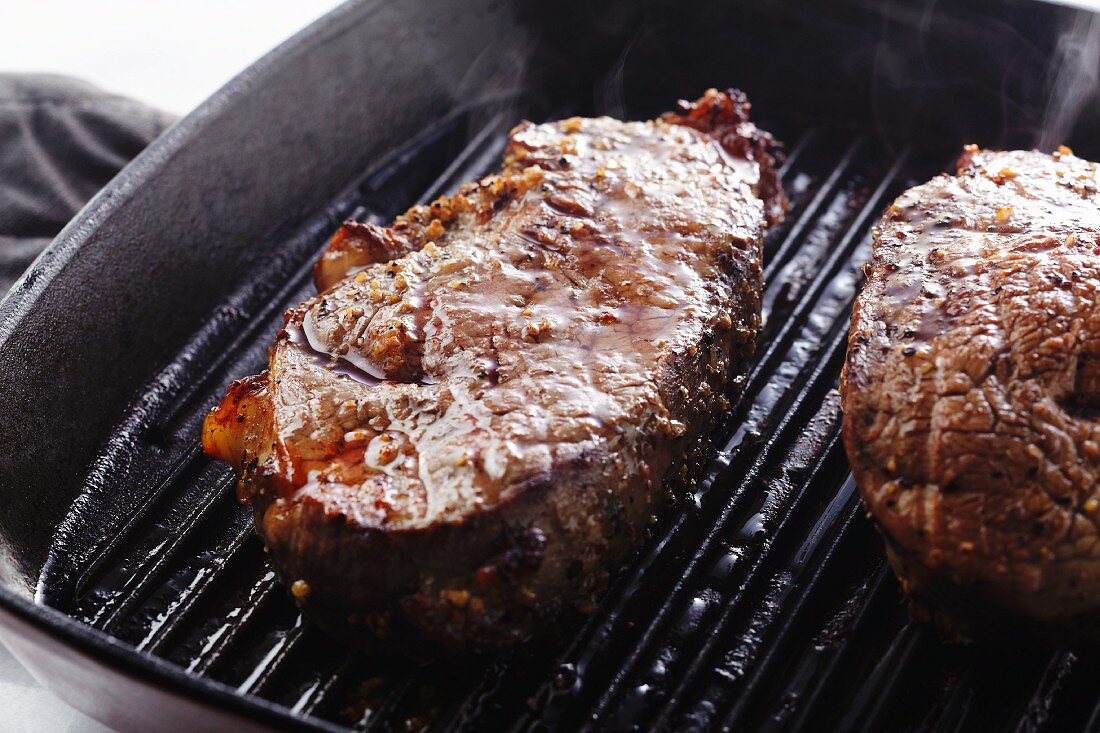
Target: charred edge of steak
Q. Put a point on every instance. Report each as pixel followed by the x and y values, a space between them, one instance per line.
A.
pixel 223 436
pixel 725 117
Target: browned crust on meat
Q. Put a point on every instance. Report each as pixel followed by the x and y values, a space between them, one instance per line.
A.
pixel 725 117
pixel 968 395
pixel 387 571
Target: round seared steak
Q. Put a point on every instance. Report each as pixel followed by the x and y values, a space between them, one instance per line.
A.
pixel 971 390
pixel 466 431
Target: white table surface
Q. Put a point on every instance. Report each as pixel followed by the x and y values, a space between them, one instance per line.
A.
pixel 30 709
pixel 171 54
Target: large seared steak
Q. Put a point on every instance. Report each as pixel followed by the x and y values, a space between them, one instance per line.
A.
pixel 465 432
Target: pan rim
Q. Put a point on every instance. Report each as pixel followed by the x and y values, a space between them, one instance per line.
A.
pixel 36 280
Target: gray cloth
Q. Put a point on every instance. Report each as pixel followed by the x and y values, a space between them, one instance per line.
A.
pixel 61 140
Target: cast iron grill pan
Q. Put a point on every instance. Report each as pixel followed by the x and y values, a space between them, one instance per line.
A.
pixel 762 600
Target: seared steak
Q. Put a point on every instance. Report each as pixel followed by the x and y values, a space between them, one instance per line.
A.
pixel 466 431
pixel 970 395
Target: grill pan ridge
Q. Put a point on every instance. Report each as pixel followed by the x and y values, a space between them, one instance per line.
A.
pixel 762 599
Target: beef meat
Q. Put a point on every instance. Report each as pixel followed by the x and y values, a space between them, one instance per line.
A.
pixel 970 395
pixel 466 431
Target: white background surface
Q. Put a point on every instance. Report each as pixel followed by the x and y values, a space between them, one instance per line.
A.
pixel 172 55
pixel 28 708
pixel 169 53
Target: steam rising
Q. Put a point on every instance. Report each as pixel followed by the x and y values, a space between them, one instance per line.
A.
pixel 494 82
pixel 1074 79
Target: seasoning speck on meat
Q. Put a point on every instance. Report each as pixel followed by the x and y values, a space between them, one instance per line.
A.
pixel 465 432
